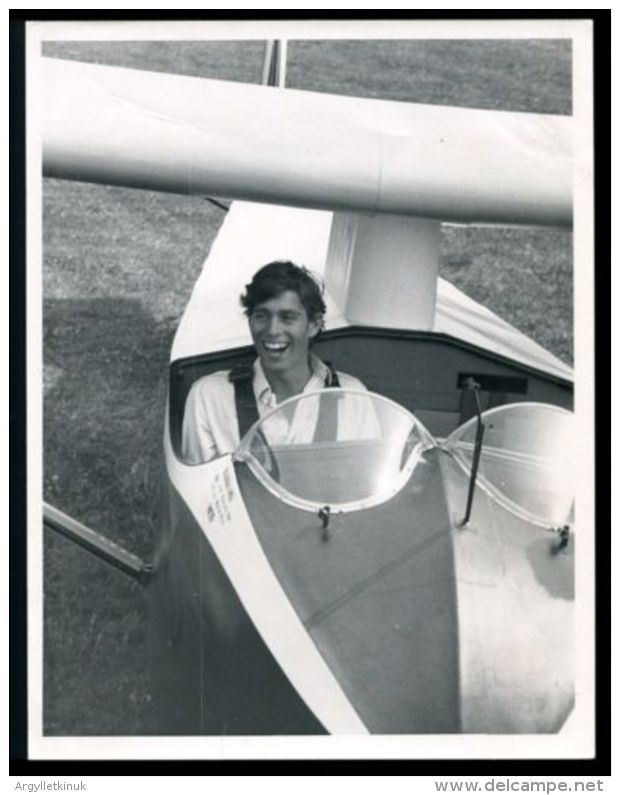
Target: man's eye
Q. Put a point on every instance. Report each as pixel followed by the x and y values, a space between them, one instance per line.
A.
pixel 259 316
pixel 289 318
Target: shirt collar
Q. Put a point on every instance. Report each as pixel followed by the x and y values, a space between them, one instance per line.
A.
pixel 262 390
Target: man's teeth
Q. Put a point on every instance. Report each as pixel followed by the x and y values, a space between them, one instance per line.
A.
pixel 276 347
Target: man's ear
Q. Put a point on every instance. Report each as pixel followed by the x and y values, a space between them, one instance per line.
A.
pixel 315 325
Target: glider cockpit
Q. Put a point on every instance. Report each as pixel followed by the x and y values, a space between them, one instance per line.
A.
pixel 370 588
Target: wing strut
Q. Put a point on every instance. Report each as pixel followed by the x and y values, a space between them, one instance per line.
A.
pixel 96 544
pixel 274 64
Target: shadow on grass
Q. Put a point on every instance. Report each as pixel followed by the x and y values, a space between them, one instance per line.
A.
pixel 103 422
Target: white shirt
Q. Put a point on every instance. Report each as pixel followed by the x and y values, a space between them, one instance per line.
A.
pixel 210 426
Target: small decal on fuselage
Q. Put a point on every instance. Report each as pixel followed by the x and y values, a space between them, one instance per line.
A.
pixel 221 496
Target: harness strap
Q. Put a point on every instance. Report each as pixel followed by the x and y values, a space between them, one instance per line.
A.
pixel 327 422
pixel 331 379
pixel 242 377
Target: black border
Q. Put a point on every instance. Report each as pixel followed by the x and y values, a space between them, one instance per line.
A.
pixel 17 398
pixel 20 765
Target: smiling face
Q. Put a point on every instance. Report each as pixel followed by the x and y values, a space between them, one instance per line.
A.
pixel 281 331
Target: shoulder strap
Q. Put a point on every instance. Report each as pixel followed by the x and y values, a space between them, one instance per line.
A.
pixel 327 422
pixel 331 379
pixel 241 377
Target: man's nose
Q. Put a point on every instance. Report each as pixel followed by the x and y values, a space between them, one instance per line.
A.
pixel 274 325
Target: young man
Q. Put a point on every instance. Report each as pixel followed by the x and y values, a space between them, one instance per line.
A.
pixel 285 311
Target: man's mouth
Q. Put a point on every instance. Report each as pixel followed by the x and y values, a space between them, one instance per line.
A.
pixel 275 347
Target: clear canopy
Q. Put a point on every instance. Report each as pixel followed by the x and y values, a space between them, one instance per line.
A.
pixel 348 449
pixel 351 449
pixel 527 462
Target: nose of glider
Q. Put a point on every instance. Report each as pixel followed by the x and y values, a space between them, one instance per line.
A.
pixel 377 598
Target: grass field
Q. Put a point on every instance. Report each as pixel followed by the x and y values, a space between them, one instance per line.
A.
pixel 119 266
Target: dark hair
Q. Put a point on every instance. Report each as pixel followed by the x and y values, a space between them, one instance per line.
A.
pixel 276 278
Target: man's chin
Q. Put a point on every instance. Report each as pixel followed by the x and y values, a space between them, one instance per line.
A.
pixel 272 363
